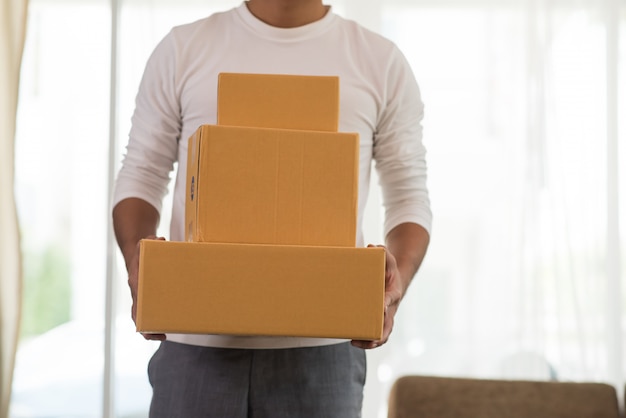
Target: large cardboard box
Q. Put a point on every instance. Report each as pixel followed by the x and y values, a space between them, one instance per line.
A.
pixel 240 289
pixel 278 101
pixel 272 186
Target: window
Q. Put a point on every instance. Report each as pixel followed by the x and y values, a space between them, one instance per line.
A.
pixel 61 178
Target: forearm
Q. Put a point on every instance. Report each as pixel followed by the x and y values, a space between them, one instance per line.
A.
pixel 408 243
pixel 133 219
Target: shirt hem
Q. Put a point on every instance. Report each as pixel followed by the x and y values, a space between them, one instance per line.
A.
pixel 228 341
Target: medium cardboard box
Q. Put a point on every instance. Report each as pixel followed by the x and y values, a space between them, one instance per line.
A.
pixel 241 289
pixel 278 101
pixel 272 186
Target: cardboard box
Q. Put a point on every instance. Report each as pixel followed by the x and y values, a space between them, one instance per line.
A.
pixel 272 186
pixel 278 101
pixel 240 289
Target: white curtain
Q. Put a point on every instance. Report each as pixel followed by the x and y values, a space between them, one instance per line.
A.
pixel 13 26
pixel 523 278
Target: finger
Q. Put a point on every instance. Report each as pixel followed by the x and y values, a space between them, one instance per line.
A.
pixel 378 246
pixel 368 345
pixel 388 302
pixel 153 337
pixel 365 345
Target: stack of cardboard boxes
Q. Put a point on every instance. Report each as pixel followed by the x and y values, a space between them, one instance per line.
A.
pixel 271 215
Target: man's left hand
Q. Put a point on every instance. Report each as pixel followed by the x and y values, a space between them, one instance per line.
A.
pixel 394 291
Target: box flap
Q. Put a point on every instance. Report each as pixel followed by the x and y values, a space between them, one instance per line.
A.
pixel 193 179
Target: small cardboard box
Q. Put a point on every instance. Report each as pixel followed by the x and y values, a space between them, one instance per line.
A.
pixel 278 101
pixel 240 289
pixel 272 186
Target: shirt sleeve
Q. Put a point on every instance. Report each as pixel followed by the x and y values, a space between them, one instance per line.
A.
pixel 152 147
pixel 399 154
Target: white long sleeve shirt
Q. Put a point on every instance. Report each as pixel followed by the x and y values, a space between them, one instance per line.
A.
pixel 379 99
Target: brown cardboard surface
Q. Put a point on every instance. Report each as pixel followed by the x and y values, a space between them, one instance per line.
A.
pixel 278 101
pixel 241 289
pixel 272 186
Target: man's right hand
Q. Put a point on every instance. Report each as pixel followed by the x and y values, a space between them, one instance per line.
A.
pixel 133 283
pixel 134 219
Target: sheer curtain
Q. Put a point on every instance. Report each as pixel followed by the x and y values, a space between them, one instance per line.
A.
pixel 13 24
pixel 523 277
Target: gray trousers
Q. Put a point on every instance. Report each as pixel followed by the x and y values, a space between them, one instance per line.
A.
pixel 196 382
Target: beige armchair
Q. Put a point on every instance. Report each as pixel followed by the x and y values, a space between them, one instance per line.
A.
pixel 444 397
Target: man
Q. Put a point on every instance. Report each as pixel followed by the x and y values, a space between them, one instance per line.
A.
pixel 235 376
